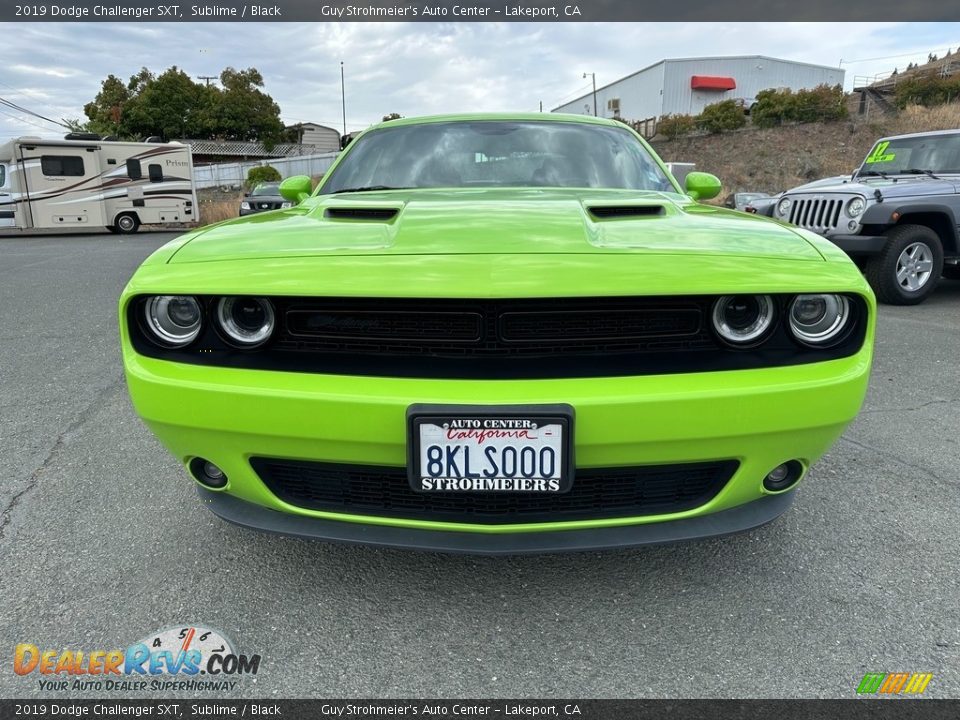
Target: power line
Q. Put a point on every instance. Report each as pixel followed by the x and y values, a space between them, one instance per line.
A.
pixel 27 93
pixel 892 57
pixel 22 109
pixel 23 120
pixel 571 96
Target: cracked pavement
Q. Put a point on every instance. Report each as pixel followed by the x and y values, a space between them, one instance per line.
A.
pixel 102 541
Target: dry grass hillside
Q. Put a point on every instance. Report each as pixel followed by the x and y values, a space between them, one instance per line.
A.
pixel 771 160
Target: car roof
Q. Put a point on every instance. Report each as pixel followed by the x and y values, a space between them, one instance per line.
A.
pixel 530 116
pixel 929 133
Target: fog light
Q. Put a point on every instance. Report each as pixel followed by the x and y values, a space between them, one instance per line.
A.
pixel 783 476
pixel 852 225
pixel 206 473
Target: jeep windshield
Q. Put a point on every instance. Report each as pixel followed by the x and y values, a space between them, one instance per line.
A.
pixel 925 155
pixel 497 153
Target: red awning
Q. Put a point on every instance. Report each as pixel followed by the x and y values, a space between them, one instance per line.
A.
pixel 712 82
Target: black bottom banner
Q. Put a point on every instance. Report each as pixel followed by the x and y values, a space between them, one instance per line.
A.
pixel 854 709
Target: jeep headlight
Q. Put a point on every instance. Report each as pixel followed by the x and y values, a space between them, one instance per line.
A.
pixel 784 206
pixel 856 207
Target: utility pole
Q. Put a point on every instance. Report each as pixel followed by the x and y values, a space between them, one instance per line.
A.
pixel 343 99
pixel 594 77
pixel 207 78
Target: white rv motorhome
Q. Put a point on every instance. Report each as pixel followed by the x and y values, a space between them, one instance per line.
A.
pixel 82 181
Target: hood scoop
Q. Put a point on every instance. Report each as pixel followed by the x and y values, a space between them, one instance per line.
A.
pixel 612 212
pixel 361 213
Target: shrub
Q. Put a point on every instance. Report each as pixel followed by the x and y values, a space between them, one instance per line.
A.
pixel 721 117
pixel 674 126
pixel 927 90
pixel 262 174
pixel 775 107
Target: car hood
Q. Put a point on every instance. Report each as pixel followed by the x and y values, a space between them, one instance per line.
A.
pixel 504 222
pixel 892 187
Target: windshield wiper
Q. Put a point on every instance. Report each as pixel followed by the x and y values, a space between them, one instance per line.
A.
pixel 880 173
pixel 918 171
pixel 369 188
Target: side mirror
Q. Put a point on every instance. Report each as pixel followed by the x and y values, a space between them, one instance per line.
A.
pixel 701 185
pixel 296 189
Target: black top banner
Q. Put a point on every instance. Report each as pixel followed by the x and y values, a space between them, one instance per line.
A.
pixel 479 11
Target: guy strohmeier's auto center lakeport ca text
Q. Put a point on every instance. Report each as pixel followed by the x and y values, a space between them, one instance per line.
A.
pixel 270 11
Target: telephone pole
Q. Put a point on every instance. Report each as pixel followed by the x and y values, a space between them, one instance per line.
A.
pixel 207 78
pixel 594 77
pixel 343 99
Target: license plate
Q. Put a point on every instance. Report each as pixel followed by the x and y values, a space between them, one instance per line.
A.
pixel 501 449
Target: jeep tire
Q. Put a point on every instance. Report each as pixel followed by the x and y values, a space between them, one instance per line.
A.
pixel 908 268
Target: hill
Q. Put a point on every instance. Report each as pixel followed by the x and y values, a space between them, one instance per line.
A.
pixel 775 159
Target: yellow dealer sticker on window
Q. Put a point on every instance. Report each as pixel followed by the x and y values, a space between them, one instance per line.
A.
pixel 880 154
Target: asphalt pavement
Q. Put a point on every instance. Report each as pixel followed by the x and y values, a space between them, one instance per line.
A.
pixel 103 541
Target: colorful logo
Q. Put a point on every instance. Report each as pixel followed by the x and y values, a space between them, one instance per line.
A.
pixel 894 683
pixel 181 651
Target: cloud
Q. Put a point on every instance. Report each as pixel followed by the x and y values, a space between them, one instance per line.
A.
pixel 420 68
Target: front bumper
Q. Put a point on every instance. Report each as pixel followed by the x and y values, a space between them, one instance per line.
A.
pixel 726 522
pixel 760 418
pixel 859 244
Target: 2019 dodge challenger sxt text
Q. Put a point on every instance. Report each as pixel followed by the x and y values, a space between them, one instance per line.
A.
pixel 498 333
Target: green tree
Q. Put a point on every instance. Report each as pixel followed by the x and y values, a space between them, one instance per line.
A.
pixel 243 111
pixel 105 114
pixel 171 105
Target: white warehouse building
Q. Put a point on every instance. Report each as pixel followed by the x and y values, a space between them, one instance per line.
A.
pixel 687 85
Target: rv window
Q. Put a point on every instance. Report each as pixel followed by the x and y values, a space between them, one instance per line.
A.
pixel 3 175
pixel 133 169
pixel 61 166
pixel 156 173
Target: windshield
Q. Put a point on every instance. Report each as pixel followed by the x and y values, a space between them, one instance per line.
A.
pixel 494 153
pixel 933 153
pixel 267 189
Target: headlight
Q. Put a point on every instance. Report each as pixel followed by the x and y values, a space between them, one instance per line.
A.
pixel 244 205
pixel 286 205
pixel 246 321
pixel 819 320
pixel 856 206
pixel 743 319
pixel 174 320
pixel 783 206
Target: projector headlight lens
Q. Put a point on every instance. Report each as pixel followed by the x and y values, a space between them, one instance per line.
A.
pixel 173 320
pixel 246 321
pixel 743 319
pixel 819 320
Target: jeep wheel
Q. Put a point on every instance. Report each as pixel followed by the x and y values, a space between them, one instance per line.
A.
pixel 127 223
pixel 908 268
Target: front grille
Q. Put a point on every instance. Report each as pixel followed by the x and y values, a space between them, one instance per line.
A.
pixel 596 493
pixel 817 214
pixel 493 328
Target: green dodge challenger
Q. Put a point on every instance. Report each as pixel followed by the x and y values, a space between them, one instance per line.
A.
pixel 498 334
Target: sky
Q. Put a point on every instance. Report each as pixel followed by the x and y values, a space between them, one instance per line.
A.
pixel 416 69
